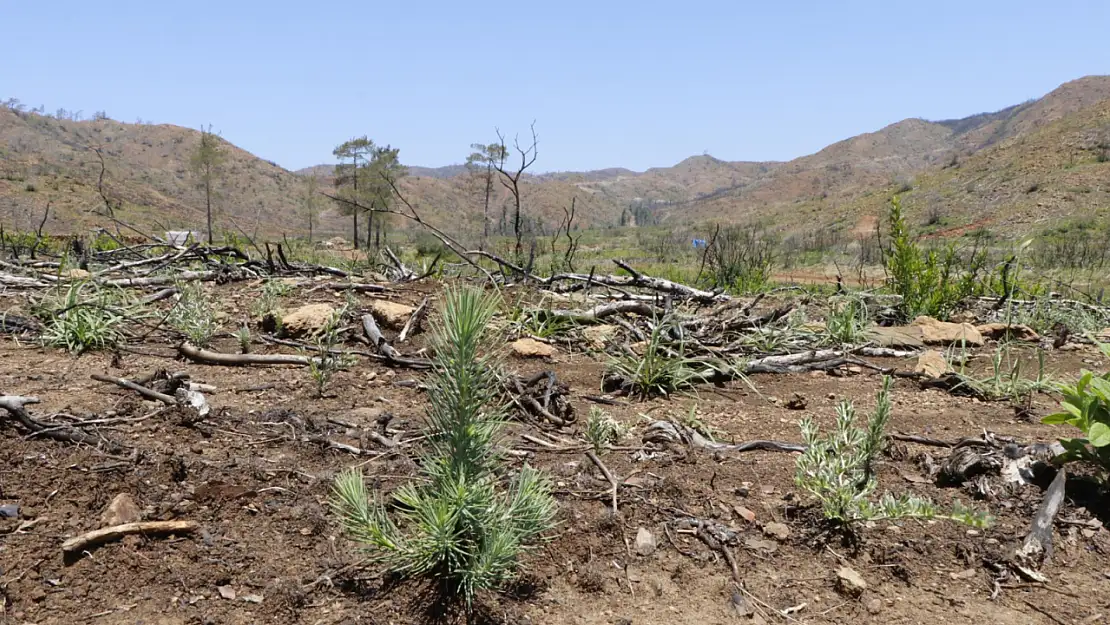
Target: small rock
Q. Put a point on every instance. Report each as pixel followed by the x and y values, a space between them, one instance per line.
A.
pixel 9 511
pixel 531 348
pixel 797 402
pixel 307 320
pixel 76 274
pixel 392 315
pixel 897 337
pixel 645 542
pixel 121 510
pixel 744 513
pixel 849 582
pixel 758 544
pixel 965 574
pixel 874 606
pixel 227 592
pixel 252 598
pixel 932 364
pixel 776 530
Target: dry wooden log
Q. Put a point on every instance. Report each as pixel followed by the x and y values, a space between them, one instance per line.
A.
pixel 103 535
pixel 413 324
pixel 966 463
pixel 613 482
pixel 377 339
pixel 207 357
pixel 179 276
pixel 138 388
pixel 598 313
pixel 1037 547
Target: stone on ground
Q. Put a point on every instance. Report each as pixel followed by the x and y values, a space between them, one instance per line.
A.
pixel 935 332
pixel 307 320
pixel 121 510
pixel 531 348
pixel 932 364
pixel 393 315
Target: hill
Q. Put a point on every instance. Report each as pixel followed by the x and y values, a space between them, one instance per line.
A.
pixel 964 170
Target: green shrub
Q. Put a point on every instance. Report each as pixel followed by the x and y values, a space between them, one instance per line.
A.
pixel 460 524
pixel 602 430
pixel 838 470
pixel 930 281
pixel 660 369
pixel 85 317
pixel 193 315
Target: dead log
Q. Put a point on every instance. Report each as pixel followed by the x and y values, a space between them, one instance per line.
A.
pixel 598 313
pixel 84 542
pixel 668 432
pixel 1037 547
pixel 180 276
pixel 207 357
pixel 377 339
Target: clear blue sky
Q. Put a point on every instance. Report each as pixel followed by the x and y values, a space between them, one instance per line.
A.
pixel 610 83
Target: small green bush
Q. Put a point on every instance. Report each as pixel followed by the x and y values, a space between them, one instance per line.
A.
pixel 85 317
pixel 460 524
pixel 930 281
pixel 838 470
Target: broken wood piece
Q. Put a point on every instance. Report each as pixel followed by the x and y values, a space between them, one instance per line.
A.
pixel 602 311
pixel 413 324
pixel 1037 547
pixel 207 357
pixel 103 535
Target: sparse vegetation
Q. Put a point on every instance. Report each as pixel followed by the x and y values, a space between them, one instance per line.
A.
pixel 660 367
pixel 602 430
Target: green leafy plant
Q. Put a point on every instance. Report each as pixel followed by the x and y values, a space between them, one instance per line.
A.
pixel 602 430
pixel 537 321
pixel 85 317
pixel 326 361
pixel 193 315
pixel 847 322
pixel 243 335
pixel 661 369
pixel 267 304
pixel 461 524
pixel 930 281
pixel 838 470
pixel 1086 406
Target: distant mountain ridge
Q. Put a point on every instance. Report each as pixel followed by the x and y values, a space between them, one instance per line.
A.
pixel 45 160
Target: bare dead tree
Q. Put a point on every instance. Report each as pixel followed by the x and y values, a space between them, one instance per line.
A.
pixel 565 227
pixel 510 178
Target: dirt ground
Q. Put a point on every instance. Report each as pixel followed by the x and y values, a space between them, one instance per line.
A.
pixel 270 552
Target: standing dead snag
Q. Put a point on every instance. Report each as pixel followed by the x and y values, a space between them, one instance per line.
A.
pixel 510 179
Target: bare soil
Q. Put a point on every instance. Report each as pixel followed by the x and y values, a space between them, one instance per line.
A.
pixel 270 552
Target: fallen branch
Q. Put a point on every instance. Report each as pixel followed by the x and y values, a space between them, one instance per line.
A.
pixel 1037 547
pixel 207 357
pixel 391 355
pixel 103 535
pixel 613 483
pixel 667 432
pixel 605 310
pixel 138 388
